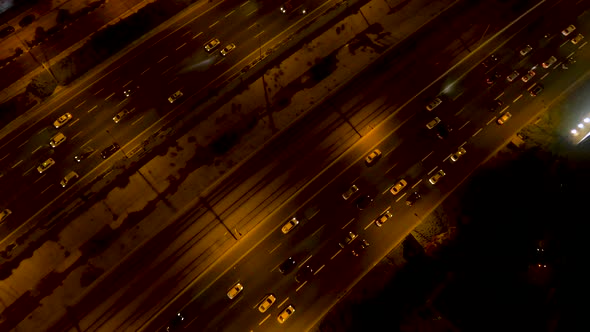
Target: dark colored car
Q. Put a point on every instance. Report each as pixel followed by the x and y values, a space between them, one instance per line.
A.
pixel 6 31
pixel 110 150
pixel 443 131
pixel 287 266
pixel 493 78
pixel 495 105
pixel 363 202
pixel 490 61
pixel 175 323
pixel 413 198
pixel 361 246
pixel 304 274
pixel 83 155
pixel 536 90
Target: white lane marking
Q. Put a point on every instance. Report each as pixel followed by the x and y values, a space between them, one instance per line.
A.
pixel 228 14
pixel 504 109
pixel 39 179
pixel 564 43
pixel 314 233
pixel 282 303
pixel 542 77
pixel 459 95
pixel 145 71
pixel 428 155
pixel 257 35
pixel 461 110
pixel 212 25
pixel 198 34
pixel 75 135
pixel 584 44
pixel 447 157
pixel 109 96
pixel 298 288
pixel 348 223
pixel 245 3
pixel 318 270
pixel 167 70
pixel 186 33
pixel 477 132
pixel 121 102
pixel 417 183
pixel 386 190
pixel 18 163
pixel 305 261
pixel 369 225
pixel 500 95
pixel 336 254
pixel 181 46
pixel 37 149
pixel 51 185
pixel 492 119
pixel 570 55
pixel 80 104
pixel 136 121
pixel 99 91
pixel 390 168
pixel 264 320
pixel 87 142
pixel 92 109
pixel 29 170
pixel 464 124
pixel 517 98
pixel 252 12
pixel 72 123
pixel 5 156
pixel 174 79
pixel 25 142
pixel 162 59
pixel 253 25
pixel 313 215
pixel 463 144
pixel 432 170
pixel 402 196
pixel 126 84
pixel 275 248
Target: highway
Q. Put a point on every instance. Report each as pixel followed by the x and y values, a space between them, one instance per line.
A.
pixel 169 61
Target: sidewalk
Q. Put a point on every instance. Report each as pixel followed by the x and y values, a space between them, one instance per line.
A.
pixel 133 212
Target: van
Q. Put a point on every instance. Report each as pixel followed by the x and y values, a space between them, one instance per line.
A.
pixel 69 177
pixel 57 140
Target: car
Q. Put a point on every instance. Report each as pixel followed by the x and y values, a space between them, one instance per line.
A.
pixel 285 314
pixel 363 202
pixel 109 150
pixel 289 225
pixel 304 274
pixel 437 176
pixel 6 31
pixel 512 76
pixel 57 140
pixel 501 120
pixel 175 96
pixel 129 92
pixel 399 186
pixel 287 266
pixel 443 131
pixel 493 78
pixel 528 76
pixel 495 105
pixel 212 44
pixel 413 198
pixel 455 156
pixel 568 30
pixel 225 51
pixel 117 118
pixel 235 291
pixel 351 191
pixel 549 62
pixel 266 302
pixel 175 323
pixel 4 214
pixel 526 50
pixel 362 245
pixel 45 165
pixel 577 39
pixel 433 123
pixel 347 239
pixel 68 178
pixel 373 157
pixel 383 218
pixel 83 155
pixel 434 104
pixel 536 90
pixel 62 120
pixel 490 61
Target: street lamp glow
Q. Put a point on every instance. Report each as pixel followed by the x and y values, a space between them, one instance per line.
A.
pixel 586 120
pixel 574 132
pixel 581 126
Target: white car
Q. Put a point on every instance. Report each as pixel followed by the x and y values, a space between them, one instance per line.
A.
pixel 62 120
pixel 4 214
pixel 373 157
pixel 285 314
pixel 212 44
pixel 512 76
pixel 434 104
pixel 568 30
pixel 45 165
pixel 267 302
pixel 455 156
pixel 69 177
pixel 399 186
pixel 234 291
pixel 528 76
pixel 117 118
pixel 526 50
pixel 175 96
pixel 434 179
pixel 57 140
pixel 433 123
pixel 577 39
pixel 351 191
pixel 383 218
pixel 225 51
pixel 501 120
pixel 549 62
pixel 290 225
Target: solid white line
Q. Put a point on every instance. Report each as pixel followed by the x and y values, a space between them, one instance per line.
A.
pixel 492 119
pixel 212 25
pixel 428 155
pixel 282 303
pixel 264 320
pixel 37 149
pixel 348 223
pixel 464 124
pixel 477 132
pixel 109 97
pixel 517 98
pixel 46 189
pixel 92 109
pixel 500 95
pixel 145 71
pixel 252 12
pixel 126 84
pixel 99 91
pixel 162 59
pixel 25 142
pixel 136 121
pixel 432 170
pixel 417 183
pixel 197 35
pixel 318 270
pixel 298 288
pixel 275 248
pixel 402 196
pixel 226 16
pixel 80 104
pixel 181 46
pixel 336 254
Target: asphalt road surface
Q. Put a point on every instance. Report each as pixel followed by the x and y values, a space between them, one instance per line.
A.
pixel 172 60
